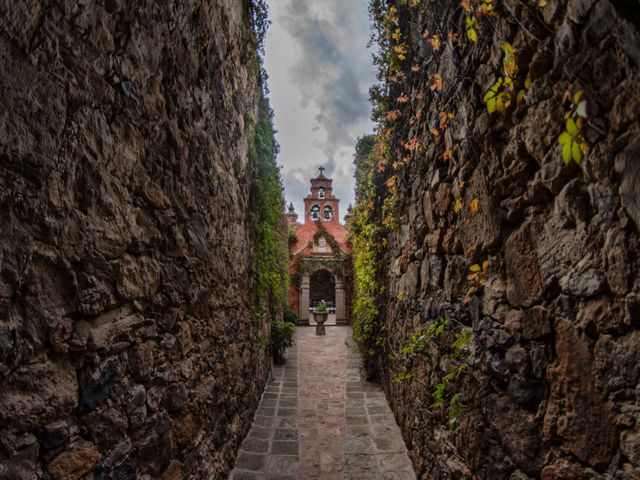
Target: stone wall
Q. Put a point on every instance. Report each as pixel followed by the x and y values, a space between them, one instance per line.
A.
pixel 551 389
pixel 126 341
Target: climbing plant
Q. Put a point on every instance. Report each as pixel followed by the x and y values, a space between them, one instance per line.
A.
pixel 368 239
pixel 453 337
pixel 574 147
pixel 269 255
pixel 499 98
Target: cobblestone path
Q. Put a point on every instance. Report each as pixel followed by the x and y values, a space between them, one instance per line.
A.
pixel 319 420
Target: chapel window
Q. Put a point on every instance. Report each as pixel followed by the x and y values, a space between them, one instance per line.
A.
pixel 321 192
pixel 328 213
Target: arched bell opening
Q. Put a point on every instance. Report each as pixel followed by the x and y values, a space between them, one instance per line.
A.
pixel 315 213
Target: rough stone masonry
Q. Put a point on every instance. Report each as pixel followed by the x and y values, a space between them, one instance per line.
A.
pixel 552 386
pixel 126 343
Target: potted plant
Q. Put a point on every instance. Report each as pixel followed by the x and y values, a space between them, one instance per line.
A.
pixel 281 339
pixel 320 314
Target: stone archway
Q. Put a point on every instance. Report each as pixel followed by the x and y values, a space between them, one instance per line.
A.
pixel 322 286
pixel 319 270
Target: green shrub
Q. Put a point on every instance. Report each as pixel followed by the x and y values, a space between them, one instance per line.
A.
pixel 281 339
pixel 290 316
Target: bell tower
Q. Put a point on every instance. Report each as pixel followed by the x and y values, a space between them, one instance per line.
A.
pixel 320 205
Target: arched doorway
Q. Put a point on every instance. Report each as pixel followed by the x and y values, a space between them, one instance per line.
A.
pixel 322 286
pixel 320 282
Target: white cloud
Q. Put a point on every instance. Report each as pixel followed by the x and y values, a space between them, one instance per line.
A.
pixel 320 71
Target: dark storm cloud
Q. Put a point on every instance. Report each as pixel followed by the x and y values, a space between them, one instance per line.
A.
pixel 331 71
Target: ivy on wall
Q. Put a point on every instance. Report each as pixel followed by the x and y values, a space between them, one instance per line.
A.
pixel 368 236
pixel 270 256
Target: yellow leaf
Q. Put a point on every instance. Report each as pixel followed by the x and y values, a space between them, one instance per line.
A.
pixel 566 153
pixel 475 268
pixel 564 138
pixel 473 206
pixel 577 96
pixel 485 265
pixel 576 153
pixel 572 128
pixel 491 105
pixel 472 35
pixel 583 148
pixel 435 43
pixel 493 91
pixel 435 132
pixel 457 206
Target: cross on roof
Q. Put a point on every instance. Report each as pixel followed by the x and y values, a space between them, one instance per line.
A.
pixel 322 169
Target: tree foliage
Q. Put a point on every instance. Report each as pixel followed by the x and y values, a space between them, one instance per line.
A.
pixel 260 22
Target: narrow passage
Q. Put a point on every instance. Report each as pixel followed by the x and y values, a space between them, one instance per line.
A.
pixel 319 420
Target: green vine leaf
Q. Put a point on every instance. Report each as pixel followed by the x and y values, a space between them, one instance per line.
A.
pixel 472 24
pixel 572 128
pixel 573 145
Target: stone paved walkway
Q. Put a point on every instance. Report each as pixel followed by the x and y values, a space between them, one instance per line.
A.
pixel 319 420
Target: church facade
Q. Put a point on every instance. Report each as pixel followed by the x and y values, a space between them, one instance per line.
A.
pixel 320 254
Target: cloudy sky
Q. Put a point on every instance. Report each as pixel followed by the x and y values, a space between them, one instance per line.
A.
pixel 320 71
